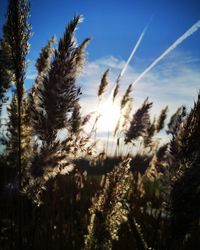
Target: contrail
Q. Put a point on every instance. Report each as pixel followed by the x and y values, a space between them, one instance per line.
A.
pixel 134 50
pixel 188 33
pixel 129 59
pixel 132 54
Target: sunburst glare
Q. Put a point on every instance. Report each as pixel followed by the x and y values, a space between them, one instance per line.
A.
pixel 109 114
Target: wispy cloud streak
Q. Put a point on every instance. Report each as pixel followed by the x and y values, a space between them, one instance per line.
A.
pixel 188 33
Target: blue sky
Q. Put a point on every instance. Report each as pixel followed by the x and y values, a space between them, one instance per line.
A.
pixel 114 26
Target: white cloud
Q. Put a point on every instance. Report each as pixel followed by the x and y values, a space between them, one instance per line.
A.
pixel 174 82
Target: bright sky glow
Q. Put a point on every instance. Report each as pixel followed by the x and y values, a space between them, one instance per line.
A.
pixel 109 113
pixel 115 27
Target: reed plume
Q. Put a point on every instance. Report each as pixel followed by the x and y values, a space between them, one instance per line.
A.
pixel 161 119
pixel 108 210
pixel 126 98
pixel 103 85
pixel 17 32
pixel 6 70
pixel 76 120
pixel 139 122
pixel 35 106
pixel 59 93
pixel 175 120
pixel 116 90
pixel 125 111
pixel 12 134
pixel 55 100
pixel 149 133
pixel 185 154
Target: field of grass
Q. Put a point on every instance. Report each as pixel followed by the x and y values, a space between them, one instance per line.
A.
pixel 138 191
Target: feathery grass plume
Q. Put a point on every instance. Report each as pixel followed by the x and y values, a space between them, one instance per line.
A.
pixel 47 161
pixel 136 230
pixel 76 119
pixel 161 119
pixel 119 212
pixel 17 32
pixel 125 111
pixel 152 173
pixel 87 118
pixel 191 132
pixel 149 133
pixel 176 119
pixel 116 90
pixel 126 98
pixel 184 194
pixel 162 158
pixel 108 210
pixel 103 85
pixel 59 93
pixel 11 141
pixel 6 70
pixel 31 108
pixel 35 107
pixel 101 91
pixel 43 63
pixel 58 108
pixel 31 126
pixel 27 140
pixel 46 164
pixel 174 128
pixel 12 134
pixel 139 123
pixel 184 143
pixel 147 199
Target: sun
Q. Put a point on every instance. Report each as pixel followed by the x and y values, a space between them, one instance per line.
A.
pixel 109 114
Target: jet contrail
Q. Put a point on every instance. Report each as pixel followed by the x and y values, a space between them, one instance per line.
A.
pixel 129 59
pixel 133 51
pixel 188 33
pixel 132 54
